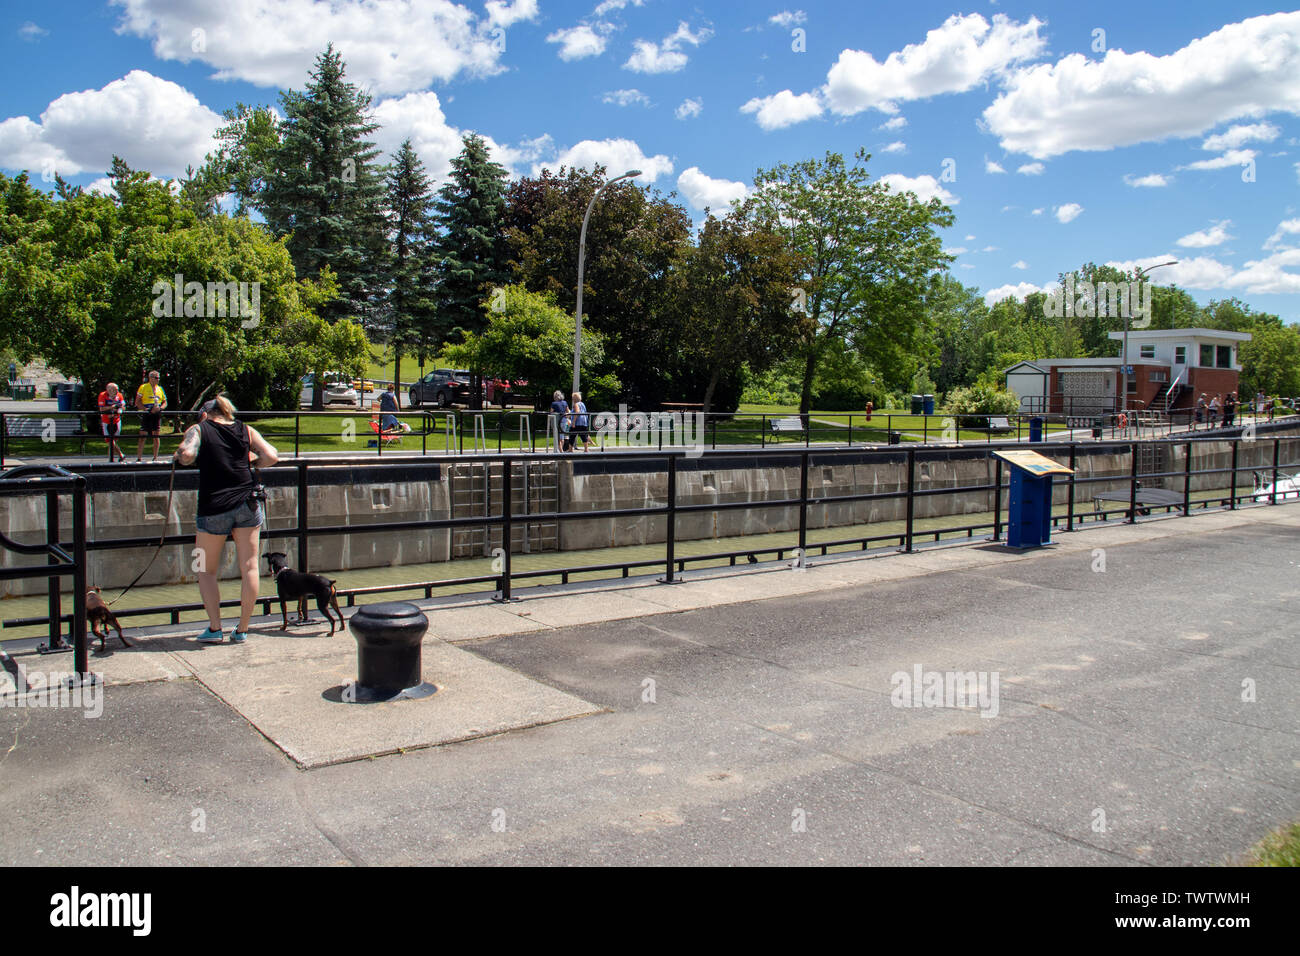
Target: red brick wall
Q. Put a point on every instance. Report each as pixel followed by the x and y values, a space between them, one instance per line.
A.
pixel 1213 381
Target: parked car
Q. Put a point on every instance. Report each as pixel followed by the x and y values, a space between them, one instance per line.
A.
pixel 338 391
pixel 441 387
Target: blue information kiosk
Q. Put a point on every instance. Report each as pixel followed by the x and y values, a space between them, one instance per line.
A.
pixel 1029 511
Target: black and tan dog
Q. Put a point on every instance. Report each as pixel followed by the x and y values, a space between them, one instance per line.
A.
pixel 298 585
pixel 101 618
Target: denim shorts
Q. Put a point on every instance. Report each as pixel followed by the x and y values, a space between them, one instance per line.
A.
pixel 247 515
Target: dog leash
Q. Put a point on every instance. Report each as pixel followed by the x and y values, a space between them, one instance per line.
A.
pixel 167 512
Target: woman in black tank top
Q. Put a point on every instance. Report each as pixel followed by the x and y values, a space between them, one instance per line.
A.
pixel 225 451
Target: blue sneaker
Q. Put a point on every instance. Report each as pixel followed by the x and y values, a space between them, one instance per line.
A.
pixel 210 636
pixel 238 637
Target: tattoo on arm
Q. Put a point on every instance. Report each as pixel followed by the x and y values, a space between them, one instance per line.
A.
pixel 189 447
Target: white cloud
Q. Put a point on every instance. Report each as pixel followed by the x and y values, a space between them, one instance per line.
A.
pixel 1067 212
pixel 502 13
pixel 1286 227
pixel 666 56
pixel 1020 264
pixel 1031 169
pixel 689 109
pixel 616 155
pixel 1019 291
pixel 897 122
pixel 626 98
pixel 577 43
pixel 896 147
pixel 706 192
pixel 1200 272
pixel 1269 276
pixel 611 6
pixel 783 109
pixel 1037 212
pixel 925 187
pixel 991 167
pixel 970 238
pixel 31 32
pixel 785 19
pixel 957 251
pixel 390 46
pixel 1152 180
pixel 1238 136
pixel 990 249
pixel 1240 70
pixel 1214 236
pixel 1233 157
pixel 152 123
pixel 957 56
pixel 103 185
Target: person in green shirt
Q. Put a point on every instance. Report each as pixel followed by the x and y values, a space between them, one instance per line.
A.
pixel 151 399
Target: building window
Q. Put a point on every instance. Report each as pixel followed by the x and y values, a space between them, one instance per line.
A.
pixel 1207 356
pixel 1180 355
pixel 1159 376
pixel 1224 357
pixel 1148 352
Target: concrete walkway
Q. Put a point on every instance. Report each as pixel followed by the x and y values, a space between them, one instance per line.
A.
pixel 748 716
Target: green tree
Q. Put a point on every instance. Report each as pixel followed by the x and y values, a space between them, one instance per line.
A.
pixel 869 255
pixel 469 217
pixel 527 336
pixel 411 280
pixel 738 284
pixel 248 144
pixel 633 294
pixel 325 193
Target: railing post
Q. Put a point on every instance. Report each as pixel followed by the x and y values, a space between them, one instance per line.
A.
pixel 297 420
pixel 54 583
pixel 911 499
pixel 1132 483
pixel 302 515
pixel 997 497
pixel 1232 490
pixel 1187 481
pixel 762 432
pixel 1069 508
pixel 79 643
pixel 507 534
pixel 803 509
pixel 670 537
pixel 1272 497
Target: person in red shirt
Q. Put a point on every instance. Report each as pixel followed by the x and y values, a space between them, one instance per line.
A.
pixel 111 403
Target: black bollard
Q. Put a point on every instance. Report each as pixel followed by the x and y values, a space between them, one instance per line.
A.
pixel 388 653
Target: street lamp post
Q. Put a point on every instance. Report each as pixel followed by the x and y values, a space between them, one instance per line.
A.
pixel 1124 369
pixel 582 256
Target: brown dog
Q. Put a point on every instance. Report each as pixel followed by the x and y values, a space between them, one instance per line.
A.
pixel 101 616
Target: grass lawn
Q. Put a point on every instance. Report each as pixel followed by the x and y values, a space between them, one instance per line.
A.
pixel 1279 848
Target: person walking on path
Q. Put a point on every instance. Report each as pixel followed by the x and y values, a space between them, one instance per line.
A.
pixel 152 400
pixel 226 451
pixel 1214 411
pixel 563 423
pixel 1229 408
pixel 111 403
pixel 581 423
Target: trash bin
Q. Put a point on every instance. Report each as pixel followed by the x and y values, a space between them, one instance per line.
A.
pixel 895 438
pixel 64 398
pixel 1097 424
pixel 1035 429
pixel 918 405
pixel 1029 510
pixel 928 401
pixel 54 389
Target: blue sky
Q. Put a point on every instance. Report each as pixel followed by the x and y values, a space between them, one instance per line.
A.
pixel 1060 133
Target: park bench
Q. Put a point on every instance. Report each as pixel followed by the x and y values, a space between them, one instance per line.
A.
pixel 1000 424
pixel 792 424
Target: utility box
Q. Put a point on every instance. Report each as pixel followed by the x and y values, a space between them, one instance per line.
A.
pixel 1029 505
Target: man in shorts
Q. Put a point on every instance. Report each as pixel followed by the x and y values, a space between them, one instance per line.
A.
pixel 111 404
pixel 152 400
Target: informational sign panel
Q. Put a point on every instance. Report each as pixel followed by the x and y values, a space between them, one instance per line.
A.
pixel 1033 462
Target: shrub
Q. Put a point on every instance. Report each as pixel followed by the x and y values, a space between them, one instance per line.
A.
pixel 972 406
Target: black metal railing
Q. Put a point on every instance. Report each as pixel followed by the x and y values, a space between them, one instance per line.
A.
pixel 912 488
pixel 62 559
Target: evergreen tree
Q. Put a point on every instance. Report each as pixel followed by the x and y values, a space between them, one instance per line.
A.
pixel 410 297
pixel 325 191
pixel 471 245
